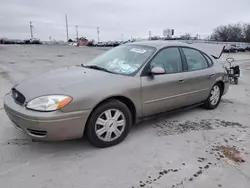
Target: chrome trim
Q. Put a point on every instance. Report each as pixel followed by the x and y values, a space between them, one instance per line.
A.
pixel 174 96
pixel 29 132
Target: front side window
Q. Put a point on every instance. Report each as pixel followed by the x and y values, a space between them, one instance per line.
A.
pixel 169 59
pixel 125 59
pixel 195 60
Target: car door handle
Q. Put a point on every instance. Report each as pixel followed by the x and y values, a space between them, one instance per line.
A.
pixel 181 81
pixel 211 75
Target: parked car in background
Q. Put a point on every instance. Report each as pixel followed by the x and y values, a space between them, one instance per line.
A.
pixel 226 49
pixel 7 41
pixel 32 41
pixel 91 43
pixel 241 48
pixel 103 98
pixel 35 41
pixel 18 41
pixel 116 43
pixel 111 44
pixel 11 41
pixel 230 49
pixel 27 41
pixel 100 44
pixel 107 44
pixel 248 47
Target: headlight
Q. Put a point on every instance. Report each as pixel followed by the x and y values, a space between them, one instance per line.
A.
pixel 49 103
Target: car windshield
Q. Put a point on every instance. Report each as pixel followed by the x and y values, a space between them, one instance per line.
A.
pixel 125 59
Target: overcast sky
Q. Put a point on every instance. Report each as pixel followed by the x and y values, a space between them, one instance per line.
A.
pixel 132 18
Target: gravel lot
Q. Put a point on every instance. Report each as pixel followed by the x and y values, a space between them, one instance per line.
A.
pixel 193 148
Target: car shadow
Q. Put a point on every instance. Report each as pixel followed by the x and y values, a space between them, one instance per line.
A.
pixel 149 121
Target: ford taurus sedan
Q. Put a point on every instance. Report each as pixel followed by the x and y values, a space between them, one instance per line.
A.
pixel 103 98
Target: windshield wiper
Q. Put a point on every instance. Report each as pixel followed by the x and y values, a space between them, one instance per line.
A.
pixel 97 68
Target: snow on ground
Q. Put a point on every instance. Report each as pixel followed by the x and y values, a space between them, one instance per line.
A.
pixel 181 149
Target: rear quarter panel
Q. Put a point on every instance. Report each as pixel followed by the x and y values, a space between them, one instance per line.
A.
pixel 220 75
pixel 220 71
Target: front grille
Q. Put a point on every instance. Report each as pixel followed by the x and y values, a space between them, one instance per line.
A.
pixel 18 97
pixel 37 132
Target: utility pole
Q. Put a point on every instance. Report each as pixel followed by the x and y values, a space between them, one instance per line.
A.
pixel 31 30
pixel 76 32
pixel 67 30
pixel 98 33
pixel 149 34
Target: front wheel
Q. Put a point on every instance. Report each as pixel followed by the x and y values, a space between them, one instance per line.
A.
pixel 214 97
pixel 109 124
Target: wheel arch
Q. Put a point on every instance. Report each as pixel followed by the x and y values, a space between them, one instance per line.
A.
pixel 222 85
pixel 125 100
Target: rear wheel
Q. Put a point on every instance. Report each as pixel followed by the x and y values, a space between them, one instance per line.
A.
pixel 109 124
pixel 214 97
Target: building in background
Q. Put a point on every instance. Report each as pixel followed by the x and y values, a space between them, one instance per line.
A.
pixel 82 42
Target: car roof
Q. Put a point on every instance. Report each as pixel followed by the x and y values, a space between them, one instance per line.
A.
pixel 161 43
pixel 209 49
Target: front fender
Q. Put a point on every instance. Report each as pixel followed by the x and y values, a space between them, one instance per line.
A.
pixel 89 98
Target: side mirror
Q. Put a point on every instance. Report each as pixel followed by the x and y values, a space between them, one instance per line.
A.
pixel 157 71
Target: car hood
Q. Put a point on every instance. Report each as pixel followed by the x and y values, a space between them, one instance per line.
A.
pixel 57 82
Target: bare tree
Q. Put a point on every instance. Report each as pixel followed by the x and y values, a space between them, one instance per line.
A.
pixel 246 32
pixel 236 33
pixel 230 33
pixel 221 33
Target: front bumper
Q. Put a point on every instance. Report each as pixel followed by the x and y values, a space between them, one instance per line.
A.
pixel 49 126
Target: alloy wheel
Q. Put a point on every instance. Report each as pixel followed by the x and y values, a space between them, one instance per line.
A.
pixel 215 95
pixel 110 125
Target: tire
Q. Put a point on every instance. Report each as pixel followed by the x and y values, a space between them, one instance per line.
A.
pixel 112 130
pixel 210 103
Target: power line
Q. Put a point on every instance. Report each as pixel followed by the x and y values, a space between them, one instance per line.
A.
pixel 71 26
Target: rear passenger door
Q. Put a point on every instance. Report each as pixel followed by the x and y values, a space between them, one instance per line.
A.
pixel 199 76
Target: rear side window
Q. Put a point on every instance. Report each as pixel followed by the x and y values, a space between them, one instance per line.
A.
pixel 209 60
pixel 195 60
